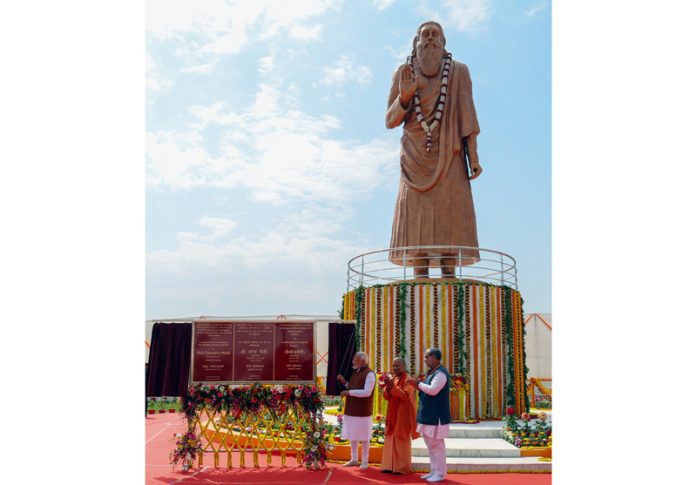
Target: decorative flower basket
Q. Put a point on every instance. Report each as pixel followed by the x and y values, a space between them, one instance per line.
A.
pixel 188 446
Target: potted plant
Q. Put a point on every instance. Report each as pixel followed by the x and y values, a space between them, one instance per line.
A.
pixel 150 405
pixel 161 405
pixel 172 405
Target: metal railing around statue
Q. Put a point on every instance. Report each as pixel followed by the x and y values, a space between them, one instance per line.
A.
pixel 395 265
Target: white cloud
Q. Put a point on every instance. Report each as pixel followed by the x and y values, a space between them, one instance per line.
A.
pixel 153 78
pixel 382 4
pixel 309 238
pixel 219 226
pixel 343 71
pixel 217 27
pixel 279 153
pixel 400 53
pixel 302 261
pixel 179 160
pixel 201 68
pixel 265 64
pixel 461 15
pixel 539 7
pixel 297 32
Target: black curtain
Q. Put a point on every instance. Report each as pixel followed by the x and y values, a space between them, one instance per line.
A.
pixel 170 359
pixel 341 351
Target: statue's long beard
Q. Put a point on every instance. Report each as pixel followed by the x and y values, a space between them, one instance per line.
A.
pixel 429 60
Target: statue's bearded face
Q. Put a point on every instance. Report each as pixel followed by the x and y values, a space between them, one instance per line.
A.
pixel 430 49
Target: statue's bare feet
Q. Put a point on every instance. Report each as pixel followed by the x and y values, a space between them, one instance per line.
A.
pixel 420 268
pixel 447 266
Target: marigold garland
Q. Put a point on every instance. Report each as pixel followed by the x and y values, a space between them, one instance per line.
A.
pixel 401 306
pixel 510 388
pixel 378 349
pixel 436 329
pixel 525 373
pixel 456 329
pixel 413 330
pixel 358 316
pixel 466 330
pixel 488 359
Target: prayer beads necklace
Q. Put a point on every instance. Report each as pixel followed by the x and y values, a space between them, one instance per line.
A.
pixel 429 128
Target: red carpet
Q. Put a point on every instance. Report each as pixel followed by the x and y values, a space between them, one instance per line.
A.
pixel 161 427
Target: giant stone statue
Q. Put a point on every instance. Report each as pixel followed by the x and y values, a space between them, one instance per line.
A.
pixel 431 96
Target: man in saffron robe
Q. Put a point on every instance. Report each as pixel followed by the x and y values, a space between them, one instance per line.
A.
pixel 400 421
pixel 357 413
pixel 434 205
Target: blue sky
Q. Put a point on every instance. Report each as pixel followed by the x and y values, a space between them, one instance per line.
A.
pixel 268 163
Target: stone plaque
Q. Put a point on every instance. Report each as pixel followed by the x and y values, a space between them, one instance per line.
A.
pixel 239 352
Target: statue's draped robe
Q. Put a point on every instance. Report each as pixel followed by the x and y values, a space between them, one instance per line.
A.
pixel 434 205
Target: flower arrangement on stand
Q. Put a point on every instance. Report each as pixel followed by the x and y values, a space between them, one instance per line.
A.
pixel 333 432
pixel 378 431
pixel 538 435
pixel 317 445
pixel 188 446
pixel 511 423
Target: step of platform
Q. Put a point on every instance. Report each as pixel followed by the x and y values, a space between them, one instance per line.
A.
pixel 484 429
pixel 470 448
pixel 499 465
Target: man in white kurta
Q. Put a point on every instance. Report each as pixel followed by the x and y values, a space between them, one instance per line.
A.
pixel 357 415
pixel 434 414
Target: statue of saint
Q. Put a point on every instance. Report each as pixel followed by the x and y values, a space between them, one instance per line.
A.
pixel 431 95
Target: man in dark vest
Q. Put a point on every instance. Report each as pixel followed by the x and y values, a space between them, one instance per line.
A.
pixel 357 413
pixel 433 416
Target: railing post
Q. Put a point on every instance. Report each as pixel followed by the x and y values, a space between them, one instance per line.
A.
pixel 502 271
pixel 362 269
pixel 459 263
pixel 403 258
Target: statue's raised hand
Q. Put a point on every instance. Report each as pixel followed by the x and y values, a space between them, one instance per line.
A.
pixel 407 86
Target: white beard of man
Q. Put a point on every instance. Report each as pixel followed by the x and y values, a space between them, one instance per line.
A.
pixel 429 60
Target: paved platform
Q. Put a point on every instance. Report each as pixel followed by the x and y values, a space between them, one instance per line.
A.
pixel 463 471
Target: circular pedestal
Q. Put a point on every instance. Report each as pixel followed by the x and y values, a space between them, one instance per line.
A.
pixel 478 327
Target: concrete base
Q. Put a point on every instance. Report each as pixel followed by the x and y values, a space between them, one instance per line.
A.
pixel 477 448
pixel 486 465
pixel 470 448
